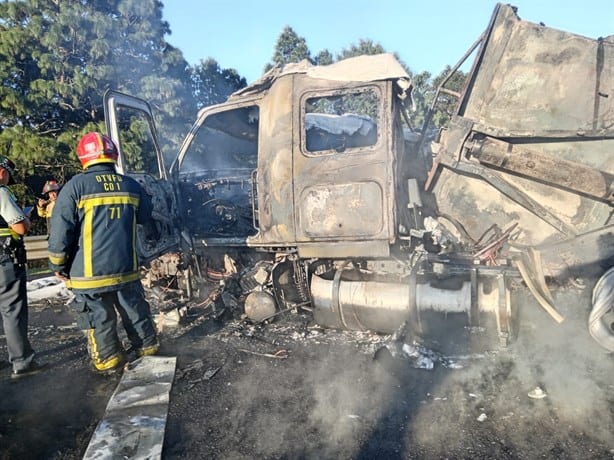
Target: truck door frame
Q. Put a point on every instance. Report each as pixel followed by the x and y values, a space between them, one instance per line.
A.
pixel 337 193
pixel 160 188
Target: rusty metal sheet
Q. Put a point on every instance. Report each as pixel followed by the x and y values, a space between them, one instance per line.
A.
pixel 556 171
pixel 534 80
pixel 365 68
pixel 349 210
pixel 533 139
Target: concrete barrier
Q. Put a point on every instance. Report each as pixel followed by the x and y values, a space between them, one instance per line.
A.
pixel 36 247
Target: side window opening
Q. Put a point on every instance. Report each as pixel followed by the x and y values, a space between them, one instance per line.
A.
pixel 341 122
pixel 217 177
pixel 138 147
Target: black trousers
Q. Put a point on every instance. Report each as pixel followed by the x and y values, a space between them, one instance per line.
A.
pixel 97 312
pixel 14 309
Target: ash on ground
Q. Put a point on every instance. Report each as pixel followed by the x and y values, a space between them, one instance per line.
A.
pixel 287 388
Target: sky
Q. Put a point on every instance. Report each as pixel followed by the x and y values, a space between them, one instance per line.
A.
pixel 427 35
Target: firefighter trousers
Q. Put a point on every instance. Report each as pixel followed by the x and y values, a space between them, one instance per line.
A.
pixel 97 313
pixel 14 309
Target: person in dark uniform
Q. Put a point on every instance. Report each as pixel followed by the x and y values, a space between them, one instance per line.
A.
pixel 92 248
pixel 14 224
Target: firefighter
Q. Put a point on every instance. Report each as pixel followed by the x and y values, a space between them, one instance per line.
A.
pixel 14 224
pixel 92 248
pixel 44 206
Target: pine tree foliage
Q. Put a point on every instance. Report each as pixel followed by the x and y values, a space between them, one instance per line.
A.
pixel 324 57
pixel 58 57
pixel 211 84
pixel 422 97
pixel 289 48
pixel 292 48
pixel 364 47
pixel 446 104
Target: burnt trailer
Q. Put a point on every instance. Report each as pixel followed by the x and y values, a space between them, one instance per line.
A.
pixel 315 171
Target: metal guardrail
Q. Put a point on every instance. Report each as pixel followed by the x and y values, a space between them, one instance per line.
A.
pixel 36 247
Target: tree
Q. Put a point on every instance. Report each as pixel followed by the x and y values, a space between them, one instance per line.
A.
pixel 292 48
pixel 58 57
pixel 446 103
pixel 211 84
pixel 364 47
pixel 421 95
pixel 324 57
pixel 289 48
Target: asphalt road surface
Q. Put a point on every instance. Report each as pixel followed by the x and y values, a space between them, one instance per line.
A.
pixel 290 389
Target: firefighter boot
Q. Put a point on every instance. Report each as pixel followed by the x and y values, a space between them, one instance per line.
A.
pixel 148 351
pixel 103 365
pixel 110 364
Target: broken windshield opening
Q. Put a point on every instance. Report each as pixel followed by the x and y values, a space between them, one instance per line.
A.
pixel 341 122
pixel 216 175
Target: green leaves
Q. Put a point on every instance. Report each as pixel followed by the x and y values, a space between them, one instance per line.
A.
pixel 211 84
pixel 364 47
pixel 57 58
pixel 290 48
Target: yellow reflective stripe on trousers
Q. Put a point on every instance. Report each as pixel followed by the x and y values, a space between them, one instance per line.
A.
pixel 93 346
pixel 88 203
pixel 92 283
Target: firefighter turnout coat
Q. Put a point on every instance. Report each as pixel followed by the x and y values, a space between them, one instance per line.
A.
pixel 93 236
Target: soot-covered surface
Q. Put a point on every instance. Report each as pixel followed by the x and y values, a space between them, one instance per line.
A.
pixel 290 389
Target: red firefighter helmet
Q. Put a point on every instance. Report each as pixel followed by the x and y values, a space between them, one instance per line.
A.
pixel 95 148
pixel 50 186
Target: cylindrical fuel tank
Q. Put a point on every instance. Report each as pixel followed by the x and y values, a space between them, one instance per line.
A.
pixel 383 307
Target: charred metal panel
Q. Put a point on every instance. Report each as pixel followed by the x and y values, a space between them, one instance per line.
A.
pixel 537 81
pixel 274 182
pixel 365 68
pixel 533 142
pixel 544 168
pixel 478 205
pixel 590 252
pixel 342 249
pixel 341 209
pixel 343 185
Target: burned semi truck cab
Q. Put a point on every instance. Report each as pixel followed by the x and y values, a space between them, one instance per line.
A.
pixel 313 181
pixel 316 167
pixel 299 160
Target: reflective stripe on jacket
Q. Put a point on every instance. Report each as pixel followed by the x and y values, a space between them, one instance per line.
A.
pixel 9 212
pixel 93 229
